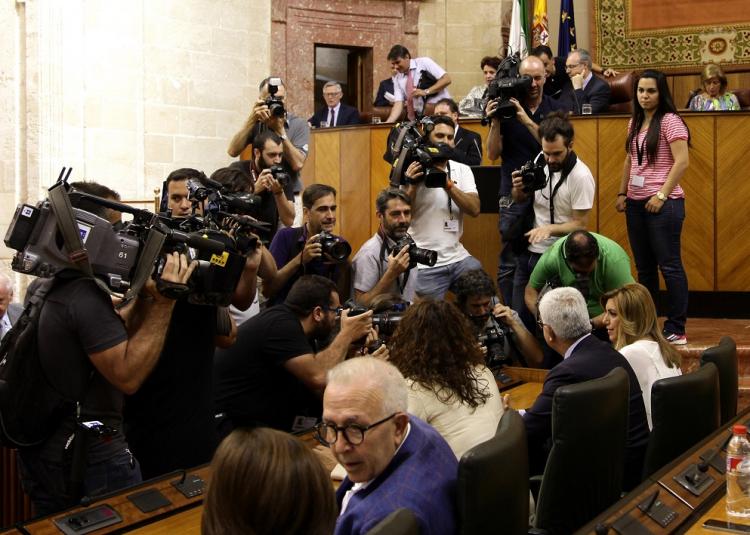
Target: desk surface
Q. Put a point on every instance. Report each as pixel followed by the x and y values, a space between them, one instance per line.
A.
pixel 718 512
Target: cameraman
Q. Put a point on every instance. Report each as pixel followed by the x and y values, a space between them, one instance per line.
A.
pixel 298 250
pixel 379 267
pixel 437 214
pixel 293 131
pixel 86 347
pixel 561 205
pixel 169 420
pixel 475 296
pixel 512 140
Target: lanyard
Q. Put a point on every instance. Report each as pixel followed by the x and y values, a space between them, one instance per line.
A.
pixel 404 277
pixel 640 149
pixel 450 204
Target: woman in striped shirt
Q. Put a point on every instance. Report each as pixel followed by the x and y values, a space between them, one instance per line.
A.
pixel 651 197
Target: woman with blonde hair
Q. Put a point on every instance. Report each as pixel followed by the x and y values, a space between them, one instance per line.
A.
pixel 714 95
pixel 633 329
pixel 265 481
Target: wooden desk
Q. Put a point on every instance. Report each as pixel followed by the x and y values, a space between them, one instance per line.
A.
pixel 718 512
pixel 185 523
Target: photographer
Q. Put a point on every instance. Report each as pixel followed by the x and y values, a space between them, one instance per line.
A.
pixel 311 248
pixel 169 419
pixel 380 266
pixel 274 375
pixel 293 131
pixel 563 195
pixel 512 140
pixel 476 297
pixel 85 346
pixel 438 212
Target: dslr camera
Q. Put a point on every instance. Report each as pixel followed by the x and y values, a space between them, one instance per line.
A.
pixel 533 175
pixel 417 255
pixel 413 145
pixel 508 83
pixel 280 174
pixel 493 338
pixel 334 247
pixel 274 103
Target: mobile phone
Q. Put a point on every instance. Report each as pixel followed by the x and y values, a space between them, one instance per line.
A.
pixel 723 525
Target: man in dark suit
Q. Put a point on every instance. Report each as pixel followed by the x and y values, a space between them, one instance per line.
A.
pixel 468 149
pixel 566 329
pixel 583 87
pixel 9 312
pixel 335 113
pixel 386 86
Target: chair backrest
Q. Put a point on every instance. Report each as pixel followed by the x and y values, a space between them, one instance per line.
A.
pixel 743 97
pixel 493 482
pixel 684 410
pixel 399 522
pixel 621 91
pixel 584 471
pixel 725 357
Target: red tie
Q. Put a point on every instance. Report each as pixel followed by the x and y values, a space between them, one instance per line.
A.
pixel 409 100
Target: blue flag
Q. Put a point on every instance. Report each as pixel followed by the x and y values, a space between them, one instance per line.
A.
pixel 566 41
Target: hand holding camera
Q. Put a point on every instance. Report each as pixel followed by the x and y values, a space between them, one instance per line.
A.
pixel 399 260
pixel 356 327
pixel 312 250
pixel 414 173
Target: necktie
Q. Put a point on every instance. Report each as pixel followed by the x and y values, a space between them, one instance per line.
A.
pixel 332 118
pixel 409 100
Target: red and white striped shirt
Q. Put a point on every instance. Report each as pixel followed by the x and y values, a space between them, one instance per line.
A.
pixel 655 174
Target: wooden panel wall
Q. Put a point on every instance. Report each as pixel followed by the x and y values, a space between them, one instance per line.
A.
pixel 715 238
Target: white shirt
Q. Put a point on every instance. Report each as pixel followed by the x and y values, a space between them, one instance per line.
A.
pixel 416 65
pixel 576 193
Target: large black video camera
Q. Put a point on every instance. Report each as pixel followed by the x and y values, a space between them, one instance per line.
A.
pixel 508 83
pixel 417 255
pixel 413 145
pixel 274 103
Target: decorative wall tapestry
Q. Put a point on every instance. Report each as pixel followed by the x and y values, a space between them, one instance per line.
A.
pixel 672 35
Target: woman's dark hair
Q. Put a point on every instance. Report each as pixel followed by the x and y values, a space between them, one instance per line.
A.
pixel 434 345
pixel 666 105
pixel 492 61
pixel 264 482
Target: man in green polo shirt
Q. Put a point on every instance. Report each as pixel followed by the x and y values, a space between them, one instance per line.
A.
pixel 590 262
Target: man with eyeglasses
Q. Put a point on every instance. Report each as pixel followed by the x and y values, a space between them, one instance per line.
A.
pixel 393 460
pixel 275 373
pixel 335 112
pixel 583 88
pixel 515 143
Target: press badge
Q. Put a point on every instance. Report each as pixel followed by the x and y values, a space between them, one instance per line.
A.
pixel 637 181
pixel 450 225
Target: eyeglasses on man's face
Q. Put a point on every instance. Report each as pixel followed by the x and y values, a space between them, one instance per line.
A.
pixel 326 433
pixel 571 66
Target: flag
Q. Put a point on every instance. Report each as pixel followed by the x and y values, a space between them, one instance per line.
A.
pixel 539 29
pixel 566 41
pixel 517 38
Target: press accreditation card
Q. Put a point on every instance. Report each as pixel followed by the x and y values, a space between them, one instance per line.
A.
pixel 450 225
pixel 637 181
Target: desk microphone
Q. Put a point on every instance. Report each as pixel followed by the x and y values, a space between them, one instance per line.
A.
pixel 704 464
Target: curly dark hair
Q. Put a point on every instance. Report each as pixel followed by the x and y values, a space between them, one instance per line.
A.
pixel 434 345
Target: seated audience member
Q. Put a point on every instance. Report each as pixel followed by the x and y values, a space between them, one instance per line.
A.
pixel 392 459
pixel 267 482
pixel 590 262
pixel 438 214
pixel 418 81
pixel 713 95
pixel 476 297
pixel 630 317
pixel 567 330
pixel 9 311
pixel 298 250
pixel 555 69
pixel 274 374
pixel 450 387
pixel 583 87
pixel 335 112
pixel 467 147
pixel 379 267
pixel 386 86
pixel 472 105
pixel 100 190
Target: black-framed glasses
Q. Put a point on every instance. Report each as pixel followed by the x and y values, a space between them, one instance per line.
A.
pixel 337 310
pixel 354 434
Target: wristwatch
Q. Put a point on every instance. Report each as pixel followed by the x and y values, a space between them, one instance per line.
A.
pixel 284 137
pixel 661 196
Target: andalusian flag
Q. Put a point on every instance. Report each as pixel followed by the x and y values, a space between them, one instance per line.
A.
pixel 566 41
pixel 539 29
pixel 518 30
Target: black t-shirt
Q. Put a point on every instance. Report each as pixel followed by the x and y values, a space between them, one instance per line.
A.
pixel 251 384
pixel 77 320
pixel 519 146
pixel 555 83
pixel 169 419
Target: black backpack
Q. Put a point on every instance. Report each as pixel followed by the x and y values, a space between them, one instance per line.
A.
pixel 30 408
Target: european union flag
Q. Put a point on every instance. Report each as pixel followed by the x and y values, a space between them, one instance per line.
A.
pixel 566 41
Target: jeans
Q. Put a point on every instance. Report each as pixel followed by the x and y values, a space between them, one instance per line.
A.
pixel 48 483
pixel 525 263
pixel 655 240
pixel 434 282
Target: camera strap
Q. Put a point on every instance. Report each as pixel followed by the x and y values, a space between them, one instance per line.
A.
pixel 450 202
pixel 66 222
pixel 568 166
